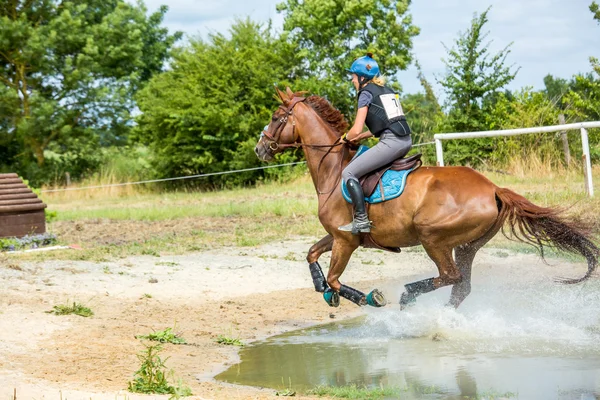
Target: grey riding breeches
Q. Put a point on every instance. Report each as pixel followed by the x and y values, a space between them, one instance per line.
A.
pixel 389 148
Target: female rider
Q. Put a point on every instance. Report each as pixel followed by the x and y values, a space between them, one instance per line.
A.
pixel 379 108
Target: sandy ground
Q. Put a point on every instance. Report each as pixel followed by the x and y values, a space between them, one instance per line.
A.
pixel 238 292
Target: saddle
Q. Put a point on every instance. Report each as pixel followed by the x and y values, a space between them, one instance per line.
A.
pixel 370 181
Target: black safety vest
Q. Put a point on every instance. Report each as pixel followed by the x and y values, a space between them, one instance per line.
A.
pixel 385 111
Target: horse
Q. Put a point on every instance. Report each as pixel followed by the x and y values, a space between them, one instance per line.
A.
pixel 451 209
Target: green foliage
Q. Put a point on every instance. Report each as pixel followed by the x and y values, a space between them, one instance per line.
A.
pixel 152 376
pixel 354 392
pixel 164 336
pixel 76 309
pixel 583 98
pixel 473 77
pixel 595 9
pixel 331 34
pixel 222 339
pixel 9 243
pixel 51 215
pixel 206 113
pixel 524 109
pixel 69 70
pixel 423 111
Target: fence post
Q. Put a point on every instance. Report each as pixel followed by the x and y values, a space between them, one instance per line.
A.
pixel 439 151
pixel 565 140
pixel 587 163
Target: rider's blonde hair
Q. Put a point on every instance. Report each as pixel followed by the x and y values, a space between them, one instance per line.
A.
pixel 378 80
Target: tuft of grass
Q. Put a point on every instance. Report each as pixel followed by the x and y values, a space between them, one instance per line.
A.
pixel 494 395
pixel 225 340
pixel 150 252
pixel 151 378
pixel 354 392
pixel 167 264
pixel 14 267
pixel 76 308
pixel 285 393
pixel 164 336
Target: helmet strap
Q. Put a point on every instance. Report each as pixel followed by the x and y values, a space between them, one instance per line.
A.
pixel 361 81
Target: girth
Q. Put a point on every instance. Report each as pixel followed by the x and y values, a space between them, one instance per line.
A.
pixel 370 181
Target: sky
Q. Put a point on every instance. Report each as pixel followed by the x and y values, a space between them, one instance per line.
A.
pixel 549 36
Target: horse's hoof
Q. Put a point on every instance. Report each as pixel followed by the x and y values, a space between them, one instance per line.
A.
pixel 331 297
pixel 407 299
pixel 376 299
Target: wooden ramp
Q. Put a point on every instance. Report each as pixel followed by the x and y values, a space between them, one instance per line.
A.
pixel 21 210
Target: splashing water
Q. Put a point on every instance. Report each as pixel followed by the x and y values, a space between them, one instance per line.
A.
pixel 536 341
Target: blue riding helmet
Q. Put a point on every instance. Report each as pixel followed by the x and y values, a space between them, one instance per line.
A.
pixel 365 67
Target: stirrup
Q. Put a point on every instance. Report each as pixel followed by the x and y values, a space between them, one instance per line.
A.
pixel 357 227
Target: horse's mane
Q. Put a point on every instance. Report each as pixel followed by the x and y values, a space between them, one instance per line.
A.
pixel 322 107
pixel 328 113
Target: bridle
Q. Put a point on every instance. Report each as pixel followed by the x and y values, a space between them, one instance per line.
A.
pixel 274 144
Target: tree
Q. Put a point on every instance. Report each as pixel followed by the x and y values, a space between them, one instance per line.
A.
pixel 68 73
pixel 555 89
pixel 595 9
pixel 422 110
pixel 472 75
pixel 205 114
pixel 331 34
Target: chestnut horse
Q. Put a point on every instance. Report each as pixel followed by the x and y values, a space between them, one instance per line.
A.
pixel 444 209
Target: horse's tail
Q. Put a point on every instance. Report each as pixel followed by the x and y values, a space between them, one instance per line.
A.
pixel 541 226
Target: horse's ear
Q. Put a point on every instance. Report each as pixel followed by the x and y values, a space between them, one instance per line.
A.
pixel 289 92
pixel 281 95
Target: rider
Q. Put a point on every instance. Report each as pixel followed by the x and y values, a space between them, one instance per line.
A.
pixel 379 108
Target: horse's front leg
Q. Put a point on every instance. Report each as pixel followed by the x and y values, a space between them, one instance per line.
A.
pixel 322 246
pixel 340 256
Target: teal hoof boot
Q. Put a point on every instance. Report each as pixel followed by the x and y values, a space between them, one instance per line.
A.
pixel 407 299
pixel 331 297
pixel 376 299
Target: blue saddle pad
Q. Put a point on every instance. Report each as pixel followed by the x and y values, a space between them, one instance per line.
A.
pixel 393 184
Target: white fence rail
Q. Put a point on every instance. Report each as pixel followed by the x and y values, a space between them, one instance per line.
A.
pixel 582 126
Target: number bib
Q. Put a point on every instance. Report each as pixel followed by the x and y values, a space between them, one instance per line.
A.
pixel 391 105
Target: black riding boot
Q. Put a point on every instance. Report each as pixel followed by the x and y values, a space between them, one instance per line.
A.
pixel 361 222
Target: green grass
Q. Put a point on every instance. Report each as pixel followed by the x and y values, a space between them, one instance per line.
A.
pixel 354 392
pixel 195 221
pixel 76 309
pixel 376 393
pixel 164 336
pixel 263 200
pixel 228 341
pixel 151 377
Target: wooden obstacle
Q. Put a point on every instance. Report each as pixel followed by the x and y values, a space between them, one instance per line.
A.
pixel 21 211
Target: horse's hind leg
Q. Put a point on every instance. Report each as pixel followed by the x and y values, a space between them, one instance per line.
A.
pixel 449 275
pixel 322 246
pixel 464 256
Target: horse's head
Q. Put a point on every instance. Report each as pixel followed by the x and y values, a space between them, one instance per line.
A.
pixel 281 132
